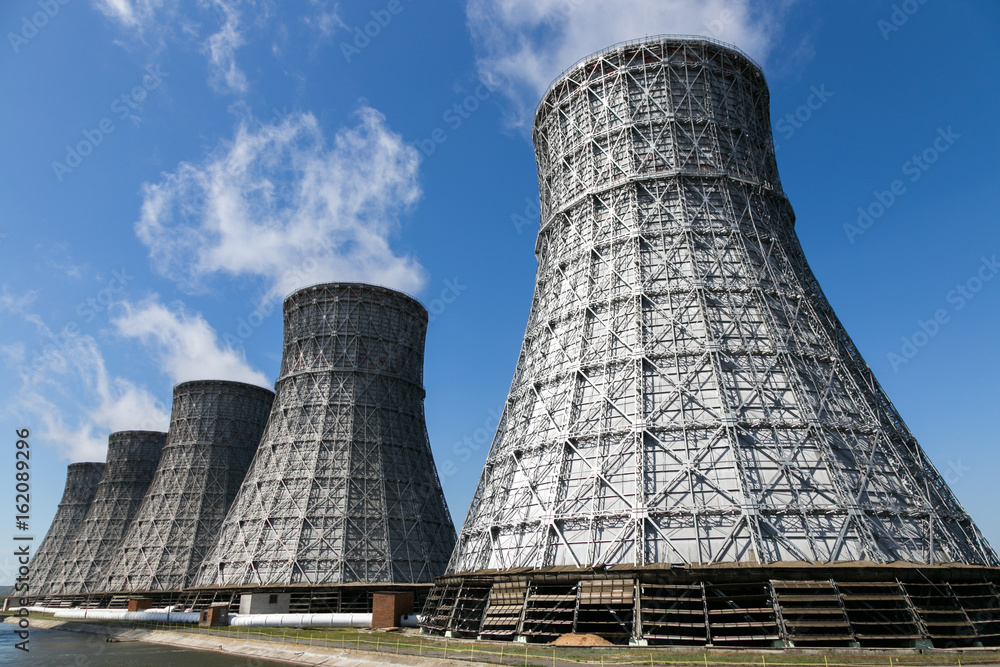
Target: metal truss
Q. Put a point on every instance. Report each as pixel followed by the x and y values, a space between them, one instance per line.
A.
pixel 81 486
pixel 131 462
pixel 790 604
pixel 343 487
pixel 215 427
pixel 685 393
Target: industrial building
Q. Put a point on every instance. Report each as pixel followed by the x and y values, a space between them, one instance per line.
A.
pixel 81 487
pixel 342 498
pixel 131 462
pixel 693 451
pixel 215 427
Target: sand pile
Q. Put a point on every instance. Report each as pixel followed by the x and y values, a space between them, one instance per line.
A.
pixel 581 640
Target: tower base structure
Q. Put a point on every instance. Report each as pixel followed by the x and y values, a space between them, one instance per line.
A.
pixel 354 598
pixel 859 604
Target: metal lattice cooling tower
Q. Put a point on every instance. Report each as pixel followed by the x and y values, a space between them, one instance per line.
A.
pixel 131 462
pixel 81 486
pixel 693 450
pixel 215 427
pixel 343 489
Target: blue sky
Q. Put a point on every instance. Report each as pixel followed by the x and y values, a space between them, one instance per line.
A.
pixel 172 168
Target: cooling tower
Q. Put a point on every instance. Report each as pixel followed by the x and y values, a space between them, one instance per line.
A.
pixel 692 449
pixel 132 459
pixel 81 486
pixel 343 488
pixel 215 427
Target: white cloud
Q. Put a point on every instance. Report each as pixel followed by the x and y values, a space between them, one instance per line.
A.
pixel 70 378
pixel 224 74
pixel 15 304
pixel 324 17
pixel 222 18
pixel 281 204
pixel 187 346
pixel 130 13
pixel 522 45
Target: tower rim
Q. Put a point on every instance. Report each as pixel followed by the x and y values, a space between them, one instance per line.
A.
pixel 301 291
pixel 650 39
pixel 187 384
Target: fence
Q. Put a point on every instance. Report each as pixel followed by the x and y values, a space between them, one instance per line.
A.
pixel 506 653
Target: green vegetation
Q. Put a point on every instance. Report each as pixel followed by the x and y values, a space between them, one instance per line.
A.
pixel 542 654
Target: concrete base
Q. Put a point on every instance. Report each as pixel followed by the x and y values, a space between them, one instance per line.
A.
pixel 855 644
pixel 520 639
pixel 922 643
pixel 783 643
pixel 638 642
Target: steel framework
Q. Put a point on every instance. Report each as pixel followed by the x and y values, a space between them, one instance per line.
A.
pixel 81 486
pixel 131 462
pixel 343 488
pixel 685 394
pixel 215 427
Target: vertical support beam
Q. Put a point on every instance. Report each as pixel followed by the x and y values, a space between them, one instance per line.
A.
pixel 779 618
pixel 917 618
pixel 637 632
pixel 704 606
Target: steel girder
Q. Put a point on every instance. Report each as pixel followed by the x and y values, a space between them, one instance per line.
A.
pixel 81 487
pixel 132 460
pixel 215 427
pixel 685 393
pixel 343 487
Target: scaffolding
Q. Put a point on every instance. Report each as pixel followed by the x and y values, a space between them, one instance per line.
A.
pixel 685 395
pixel 215 427
pixel 343 488
pixel 81 486
pixel 131 462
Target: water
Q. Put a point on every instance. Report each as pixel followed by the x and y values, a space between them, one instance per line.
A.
pixel 55 648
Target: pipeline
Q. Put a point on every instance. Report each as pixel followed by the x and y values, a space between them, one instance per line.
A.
pixel 147 616
pixel 301 620
pixel 168 615
pixel 312 620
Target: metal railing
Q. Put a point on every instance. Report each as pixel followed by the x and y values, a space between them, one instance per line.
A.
pixel 508 653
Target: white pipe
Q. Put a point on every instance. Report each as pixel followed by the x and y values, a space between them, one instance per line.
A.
pixel 237 620
pixel 121 615
pixel 301 620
